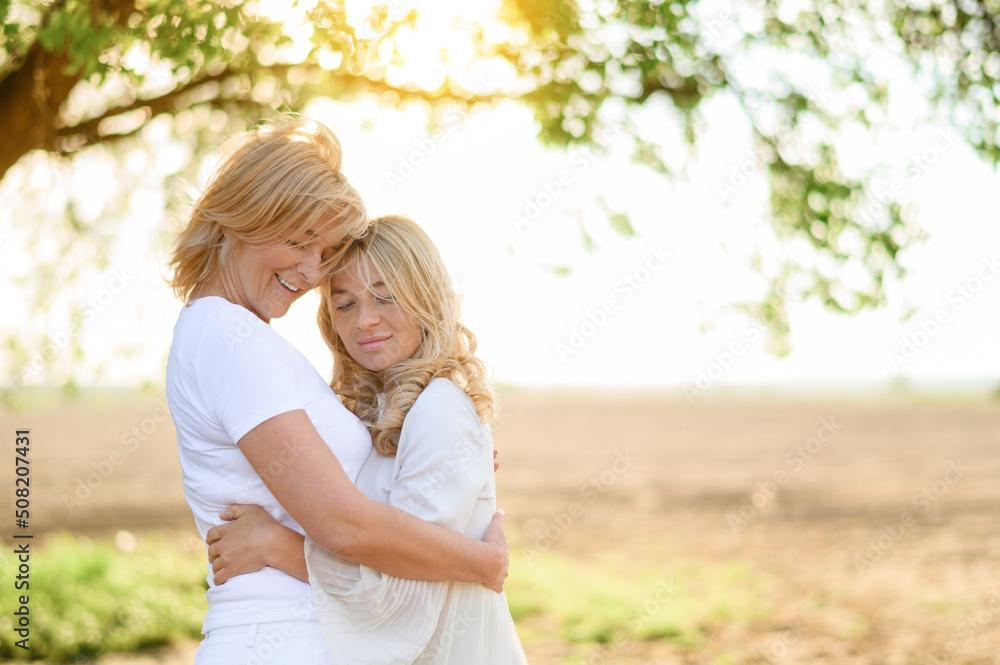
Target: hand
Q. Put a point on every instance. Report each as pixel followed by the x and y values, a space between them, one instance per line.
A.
pixel 495 465
pixel 243 544
pixel 495 536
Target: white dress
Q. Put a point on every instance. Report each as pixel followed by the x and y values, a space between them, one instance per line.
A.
pixel 442 472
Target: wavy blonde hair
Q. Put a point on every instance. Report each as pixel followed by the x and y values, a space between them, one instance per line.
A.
pixel 272 183
pixel 414 273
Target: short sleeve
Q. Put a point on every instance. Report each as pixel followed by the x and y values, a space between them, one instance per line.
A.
pixel 443 457
pixel 244 372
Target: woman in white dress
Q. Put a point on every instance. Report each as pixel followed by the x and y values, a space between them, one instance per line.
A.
pixel 257 424
pixel 406 366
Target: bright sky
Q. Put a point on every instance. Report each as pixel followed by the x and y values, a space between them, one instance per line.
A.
pixel 652 310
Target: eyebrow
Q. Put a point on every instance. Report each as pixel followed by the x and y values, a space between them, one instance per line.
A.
pixel 342 291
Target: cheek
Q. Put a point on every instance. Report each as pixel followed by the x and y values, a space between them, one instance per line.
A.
pixel 339 327
pixel 413 340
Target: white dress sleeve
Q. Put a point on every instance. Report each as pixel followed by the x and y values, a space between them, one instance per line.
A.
pixel 441 465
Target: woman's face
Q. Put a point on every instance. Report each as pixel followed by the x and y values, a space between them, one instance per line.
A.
pixel 267 280
pixel 376 331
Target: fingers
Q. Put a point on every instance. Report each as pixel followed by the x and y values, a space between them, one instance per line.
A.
pixel 495 532
pixel 234 512
pixel 213 553
pixel 216 564
pixel 214 534
pixel 219 576
pixel 222 568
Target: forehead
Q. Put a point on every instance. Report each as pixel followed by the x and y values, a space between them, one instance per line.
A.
pixel 323 229
pixel 358 274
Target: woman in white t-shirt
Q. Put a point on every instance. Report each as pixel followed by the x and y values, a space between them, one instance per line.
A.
pixel 407 367
pixel 257 424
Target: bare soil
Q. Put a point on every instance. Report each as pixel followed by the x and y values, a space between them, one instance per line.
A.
pixel 876 523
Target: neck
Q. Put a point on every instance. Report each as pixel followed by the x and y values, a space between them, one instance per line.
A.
pixel 223 286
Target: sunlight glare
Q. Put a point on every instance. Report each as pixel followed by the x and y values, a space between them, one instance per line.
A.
pixel 437 47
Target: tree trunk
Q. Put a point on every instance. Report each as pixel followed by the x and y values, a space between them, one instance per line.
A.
pixel 30 103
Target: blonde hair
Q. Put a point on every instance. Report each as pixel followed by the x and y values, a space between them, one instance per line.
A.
pixel 414 273
pixel 273 183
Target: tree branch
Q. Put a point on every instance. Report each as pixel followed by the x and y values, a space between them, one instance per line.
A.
pixel 88 132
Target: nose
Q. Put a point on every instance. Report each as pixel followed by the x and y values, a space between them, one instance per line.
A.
pixel 309 268
pixel 368 316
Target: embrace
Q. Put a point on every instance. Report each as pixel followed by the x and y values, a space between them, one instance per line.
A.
pixel 349 521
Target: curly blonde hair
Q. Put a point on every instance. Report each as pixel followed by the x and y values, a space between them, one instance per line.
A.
pixel 273 182
pixel 413 271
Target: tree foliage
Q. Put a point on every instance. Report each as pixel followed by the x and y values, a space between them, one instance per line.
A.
pixel 75 74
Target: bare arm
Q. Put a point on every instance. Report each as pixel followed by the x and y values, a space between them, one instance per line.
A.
pixel 251 539
pixel 306 478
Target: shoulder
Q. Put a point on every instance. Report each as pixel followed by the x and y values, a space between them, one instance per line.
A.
pixel 443 398
pixel 217 327
pixel 444 414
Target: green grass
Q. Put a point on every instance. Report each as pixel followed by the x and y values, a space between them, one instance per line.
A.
pixel 88 598
pixel 602 602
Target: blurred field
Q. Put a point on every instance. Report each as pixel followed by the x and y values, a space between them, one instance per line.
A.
pixel 874 543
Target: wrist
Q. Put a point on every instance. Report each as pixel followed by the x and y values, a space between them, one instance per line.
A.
pixel 494 560
pixel 283 545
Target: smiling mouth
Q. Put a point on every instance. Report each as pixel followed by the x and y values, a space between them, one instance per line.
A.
pixel 286 284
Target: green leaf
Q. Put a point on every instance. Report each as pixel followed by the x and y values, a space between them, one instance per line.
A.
pixel 619 221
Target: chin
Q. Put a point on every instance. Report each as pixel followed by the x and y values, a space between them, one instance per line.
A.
pixel 278 310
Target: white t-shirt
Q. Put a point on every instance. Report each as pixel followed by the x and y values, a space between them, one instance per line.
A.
pixel 227 372
pixel 442 472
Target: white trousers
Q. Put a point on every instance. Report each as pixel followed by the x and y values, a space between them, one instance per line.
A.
pixel 271 643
